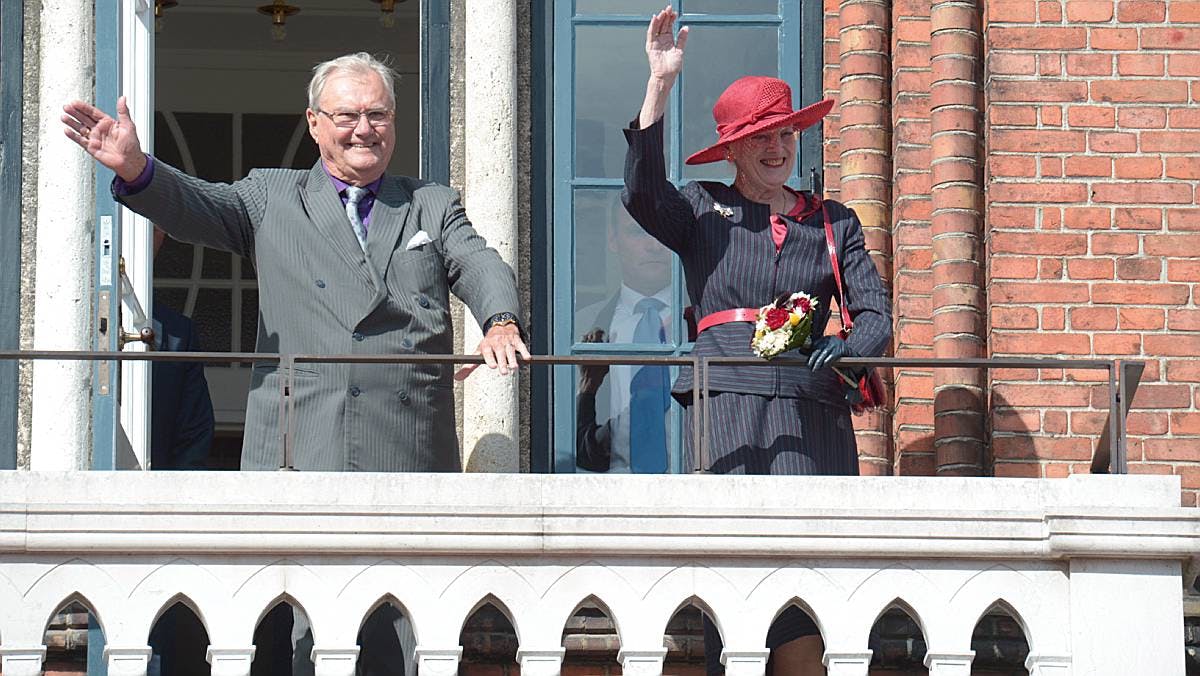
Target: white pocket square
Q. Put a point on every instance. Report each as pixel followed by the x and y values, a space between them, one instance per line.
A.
pixel 417 240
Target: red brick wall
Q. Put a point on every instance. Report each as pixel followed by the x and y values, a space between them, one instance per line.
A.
pixel 1091 137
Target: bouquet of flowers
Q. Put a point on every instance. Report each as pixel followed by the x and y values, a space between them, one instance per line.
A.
pixel 783 325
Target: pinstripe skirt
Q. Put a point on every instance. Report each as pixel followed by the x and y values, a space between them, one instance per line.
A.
pixel 753 434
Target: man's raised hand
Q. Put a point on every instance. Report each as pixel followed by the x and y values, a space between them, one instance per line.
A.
pixel 113 143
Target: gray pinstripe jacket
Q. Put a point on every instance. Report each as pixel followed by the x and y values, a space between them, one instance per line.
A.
pixel 319 294
pixel 729 261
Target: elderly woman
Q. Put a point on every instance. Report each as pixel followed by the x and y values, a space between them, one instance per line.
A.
pixel 742 246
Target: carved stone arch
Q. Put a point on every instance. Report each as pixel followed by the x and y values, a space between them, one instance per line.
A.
pixel 1041 611
pixel 290 600
pixel 694 584
pixel 496 602
pixel 304 588
pixel 564 597
pixel 201 591
pixel 187 602
pixel 385 581
pixel 821 597
pixel 92 585
pixel 875 595
pixel 489 581
pixel 81 599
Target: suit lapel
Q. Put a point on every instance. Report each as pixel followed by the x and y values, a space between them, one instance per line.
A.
pixel 387 223
pixel 325 209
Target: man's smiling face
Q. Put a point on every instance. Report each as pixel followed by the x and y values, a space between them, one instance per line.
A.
pixel 360 154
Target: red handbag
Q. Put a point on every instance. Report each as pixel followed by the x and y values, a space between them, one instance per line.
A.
pixel 867 392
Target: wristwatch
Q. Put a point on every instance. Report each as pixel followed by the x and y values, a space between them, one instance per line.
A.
pixel 501 319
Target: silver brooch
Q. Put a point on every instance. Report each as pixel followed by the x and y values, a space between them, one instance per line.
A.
pixel 725 211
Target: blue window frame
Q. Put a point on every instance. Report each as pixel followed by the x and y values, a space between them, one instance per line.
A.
pixel 601 261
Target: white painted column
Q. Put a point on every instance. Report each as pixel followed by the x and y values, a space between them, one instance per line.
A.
pixel 847 664
pixel 541 662
pixel 642 662
pixel 438 661
pixel 745 662
pixel 1146 596
pixel 230 661
pixel 1048 665
pixel 334 661
pixel 61 418
pixel 22 661
pixel 127 661
pixel 949 664
pixel 490 412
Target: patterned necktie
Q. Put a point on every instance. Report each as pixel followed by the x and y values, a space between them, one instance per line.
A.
pixel 649 396
pixel 354 195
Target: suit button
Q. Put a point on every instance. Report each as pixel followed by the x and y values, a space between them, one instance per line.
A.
pixel 357 336
pixel 403 396
pixel 320 284
pixel 354 391
pixel 423 301
pixel 406 344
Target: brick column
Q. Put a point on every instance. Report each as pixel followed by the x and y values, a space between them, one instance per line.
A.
pixel 865 185
pixel 958 292
pixel 912 295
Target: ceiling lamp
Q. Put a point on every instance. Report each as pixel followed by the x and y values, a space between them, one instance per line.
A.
pixel 279 11
pixel 159 7
pixel 387 12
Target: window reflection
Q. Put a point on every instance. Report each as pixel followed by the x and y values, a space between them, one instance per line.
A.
pixel 622 415
pixel 610 80
pixel 709 71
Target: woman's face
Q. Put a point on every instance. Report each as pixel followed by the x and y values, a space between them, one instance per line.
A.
pixel 765 159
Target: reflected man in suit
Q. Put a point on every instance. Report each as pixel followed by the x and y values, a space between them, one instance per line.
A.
pixel 620 421
pixel 181 412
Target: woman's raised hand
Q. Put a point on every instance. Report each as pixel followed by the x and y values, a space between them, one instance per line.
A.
pixel 114 143
pixel 664 50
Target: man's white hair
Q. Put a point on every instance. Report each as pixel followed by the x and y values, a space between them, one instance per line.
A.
pixel 360 63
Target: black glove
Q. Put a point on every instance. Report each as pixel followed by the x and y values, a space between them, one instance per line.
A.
pixel 826 350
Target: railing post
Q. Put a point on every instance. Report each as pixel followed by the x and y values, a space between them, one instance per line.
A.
pixel 127 661
pixel 334 661
pixel 438 661
pixel 541 662
pixel 847 664
pixel 949 664
pixel 230 661
pixel 745 662
pixel 22 661
pixel 287 368
pixel 1048 665
pixel 642 662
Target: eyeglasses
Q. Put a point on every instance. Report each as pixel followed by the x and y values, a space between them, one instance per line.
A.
pixel 345 119
pixel 783 136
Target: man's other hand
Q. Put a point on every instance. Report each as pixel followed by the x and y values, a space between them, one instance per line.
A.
pixel 500 347
pixel 592 376
pixel 113 143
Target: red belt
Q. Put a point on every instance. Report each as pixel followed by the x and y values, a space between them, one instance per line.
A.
pixel 739 314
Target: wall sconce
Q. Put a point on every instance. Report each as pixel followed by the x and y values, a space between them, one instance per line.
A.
pixel 387 8
pixel 160 6
pixel 279 11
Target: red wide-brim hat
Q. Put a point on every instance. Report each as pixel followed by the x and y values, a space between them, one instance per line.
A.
pixel 753 104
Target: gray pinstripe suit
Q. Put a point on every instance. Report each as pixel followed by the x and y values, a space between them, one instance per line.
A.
pixel 729 261
pixel 319 294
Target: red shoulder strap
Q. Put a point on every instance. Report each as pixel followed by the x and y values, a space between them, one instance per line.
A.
pixel 831 245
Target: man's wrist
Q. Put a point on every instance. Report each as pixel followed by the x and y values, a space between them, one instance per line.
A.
pixel 501 319
pixel 132 171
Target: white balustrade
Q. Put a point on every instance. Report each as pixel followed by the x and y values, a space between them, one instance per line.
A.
pixel 1090 566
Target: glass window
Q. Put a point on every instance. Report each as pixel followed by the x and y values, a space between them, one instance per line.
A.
pixel 616 289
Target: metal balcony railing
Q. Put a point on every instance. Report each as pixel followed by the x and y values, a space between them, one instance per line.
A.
pixel 1109 455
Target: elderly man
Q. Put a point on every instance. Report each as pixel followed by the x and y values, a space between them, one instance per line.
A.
pixel 349 260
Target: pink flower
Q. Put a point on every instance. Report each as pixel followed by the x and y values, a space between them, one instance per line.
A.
pixel 803 305
pixel 776 317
